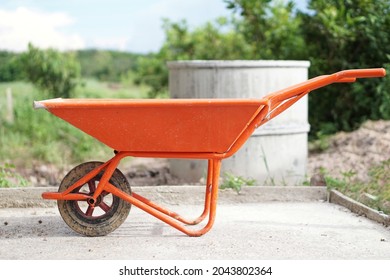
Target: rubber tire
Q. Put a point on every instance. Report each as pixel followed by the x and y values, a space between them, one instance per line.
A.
pixel 96 226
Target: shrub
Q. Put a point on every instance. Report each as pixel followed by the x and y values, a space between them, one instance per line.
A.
pixel 57 74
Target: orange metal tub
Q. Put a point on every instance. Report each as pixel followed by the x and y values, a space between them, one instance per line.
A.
pixel 171 125
pixel 95 198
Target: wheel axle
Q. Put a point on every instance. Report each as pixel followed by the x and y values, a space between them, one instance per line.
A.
pixel 91 201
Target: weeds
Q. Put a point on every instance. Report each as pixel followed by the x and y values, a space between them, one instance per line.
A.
pixel 378 186
pixel 231 181
pixel 10 178
pixel 271 178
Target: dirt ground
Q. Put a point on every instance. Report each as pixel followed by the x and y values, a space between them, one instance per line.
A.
pixel 356 151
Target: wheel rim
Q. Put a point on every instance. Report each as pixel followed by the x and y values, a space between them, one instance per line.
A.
pixel 104 204
pixel 109 211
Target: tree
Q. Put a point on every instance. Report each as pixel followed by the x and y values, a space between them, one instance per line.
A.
pixel 205 42
pixel 344 34
pixel 270 27
pixel 10 68
pixel 57 74
pixel 106 65
pixel 264 29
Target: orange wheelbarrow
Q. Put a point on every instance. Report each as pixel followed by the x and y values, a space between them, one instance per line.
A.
pixel 95 198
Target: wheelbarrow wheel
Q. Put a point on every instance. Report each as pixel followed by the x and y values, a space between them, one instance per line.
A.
pixel 109 211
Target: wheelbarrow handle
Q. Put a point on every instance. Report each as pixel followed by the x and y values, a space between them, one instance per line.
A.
pixel 361 73
pixel 279 101
pixel 346 76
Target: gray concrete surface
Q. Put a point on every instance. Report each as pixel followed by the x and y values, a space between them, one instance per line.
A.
pixel 31 196
pixel 292 227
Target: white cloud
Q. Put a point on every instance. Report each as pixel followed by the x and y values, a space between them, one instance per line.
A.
pixel 133 25
pixel 21 26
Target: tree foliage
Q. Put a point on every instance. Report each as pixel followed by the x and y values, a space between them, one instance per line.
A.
pixel 257 30
pixel 207 42
pixel 10 68
pixel 106 65
pixel 269 27
pixel 346 34
pixel 55 73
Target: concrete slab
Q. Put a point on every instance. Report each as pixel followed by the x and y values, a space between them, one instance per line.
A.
pixel 266 230
pixel 259 223
pixel 31 196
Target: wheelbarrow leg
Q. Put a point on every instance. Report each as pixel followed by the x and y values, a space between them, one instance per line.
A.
pixel 176 216
pixel 207 198
pixel 212 196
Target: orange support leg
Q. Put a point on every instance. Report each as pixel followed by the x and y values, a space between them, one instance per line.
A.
pixel 177 216
pixel 173 221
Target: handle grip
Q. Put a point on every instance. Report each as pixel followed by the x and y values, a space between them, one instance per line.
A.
pixel 361 73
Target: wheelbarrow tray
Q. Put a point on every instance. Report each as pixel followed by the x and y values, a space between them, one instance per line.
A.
pixel 165 125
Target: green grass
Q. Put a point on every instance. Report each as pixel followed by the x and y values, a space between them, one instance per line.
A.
pixel 230 181
pixel 10 178
pixel 36 135
pixel 378 186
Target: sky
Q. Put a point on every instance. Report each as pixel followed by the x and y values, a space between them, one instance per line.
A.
pixel 132 25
